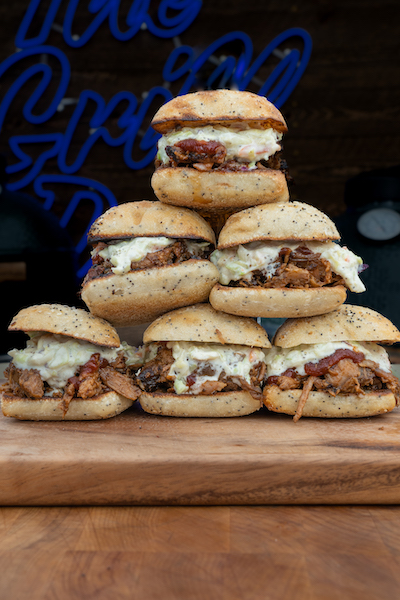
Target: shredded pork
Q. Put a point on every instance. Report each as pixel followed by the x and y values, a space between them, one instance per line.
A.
pixel 210 155
pixel 177 253
pixel 299 268
pixel 344 377
pixel 153 377
pixel 95 377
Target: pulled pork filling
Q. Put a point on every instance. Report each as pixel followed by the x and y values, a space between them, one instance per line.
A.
pixel 207 156
pixel 222 148
pixel 177 252
pixel 273 264
pixel 97 376
pixel 159 374
pixel 344 372
pixel 299 268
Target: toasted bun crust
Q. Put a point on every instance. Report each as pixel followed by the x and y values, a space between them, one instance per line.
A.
pixel 228 404
pixel 222 107
pixel 49 409
pixel 289 221
pixel 217 191
pixel 320 404
pixel 276 302
pixel 66 320
pixel 141 296
pixel 145 218
pixel 201 323
pixel 348 322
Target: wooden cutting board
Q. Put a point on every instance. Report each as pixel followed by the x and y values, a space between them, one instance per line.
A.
pixel 137 458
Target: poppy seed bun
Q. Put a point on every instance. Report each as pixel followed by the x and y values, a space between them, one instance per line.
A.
pixel 218 191
pixel 348 322
pixel 275 222
pixel 105 406
pixel 147 219
pixel 276 302
pixel 141 296
pixel 322 404
pixel 221 107
pixel 228 404
pixel 201 323
pixel 66 320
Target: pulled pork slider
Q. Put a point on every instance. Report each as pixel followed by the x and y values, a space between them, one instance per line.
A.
pixel 332 366
pixel 203 363
pixel 219 149
pixel 74 367
pixel 148 258
pixel 280 261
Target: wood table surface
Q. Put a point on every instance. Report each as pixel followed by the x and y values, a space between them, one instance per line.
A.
pixel 141 459
pixel 200 553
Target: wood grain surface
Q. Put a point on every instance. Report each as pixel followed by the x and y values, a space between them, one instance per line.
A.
pixel 141 459
pixel 197 553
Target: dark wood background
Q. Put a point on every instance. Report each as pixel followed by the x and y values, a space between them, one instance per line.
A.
pixel 343 116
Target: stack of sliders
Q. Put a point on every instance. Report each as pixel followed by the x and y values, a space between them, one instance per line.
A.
pixel 74 367
pixel 219 170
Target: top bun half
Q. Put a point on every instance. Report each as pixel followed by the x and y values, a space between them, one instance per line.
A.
pixel 218 107
pixel 146 219
pixel 347 323
pixel 274 222
pixel 66 320
pixel 202 323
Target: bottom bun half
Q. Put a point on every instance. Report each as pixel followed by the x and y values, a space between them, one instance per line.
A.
pixel 276 302
pixel 104 406
pixel 321 404
pixel 141 296
pixel 222 404
pixel 219 190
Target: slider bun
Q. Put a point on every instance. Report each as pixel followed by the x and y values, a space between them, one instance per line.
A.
pixel 216 190
pixel 276 302
pixel 223 107
pixel 221 404
pixel 146 219
pixel 321 404
pixel 348 322
pixel 275 222
pixel 141 296
pixel 103 406
pixel 66 320
pixel 201 323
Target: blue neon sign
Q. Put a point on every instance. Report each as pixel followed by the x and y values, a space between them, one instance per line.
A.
pixel 228 72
